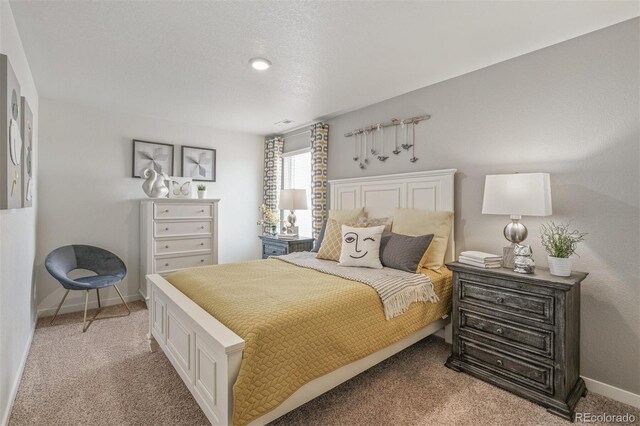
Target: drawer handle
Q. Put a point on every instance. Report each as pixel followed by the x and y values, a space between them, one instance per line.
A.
pixel 202 227
pixel 202 211
pixel 166 246
pixel 201 244
pixel 499 363
pixel 166 264
pixel 166 211
pixel 201 260
pixel 499 300
pixel 499 331
pixel 166 229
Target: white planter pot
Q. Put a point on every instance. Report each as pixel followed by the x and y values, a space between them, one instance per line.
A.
pixel 560 266
pixel 202 194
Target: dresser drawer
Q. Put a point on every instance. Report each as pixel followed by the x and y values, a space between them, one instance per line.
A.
pixel 539 342
pixel 182 245
pixel 173 263
pixel 167 229
pixel 519 303
pixel 533 375
pixel 273 250
pixel 182 211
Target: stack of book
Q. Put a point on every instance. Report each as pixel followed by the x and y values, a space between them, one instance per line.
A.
pixel 480 259
pixel 287 236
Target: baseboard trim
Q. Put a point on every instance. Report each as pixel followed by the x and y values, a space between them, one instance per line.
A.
pixel 612 392
pixel 76 307
pixel 18 379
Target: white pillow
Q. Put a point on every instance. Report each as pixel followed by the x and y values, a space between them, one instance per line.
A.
pixel 361 246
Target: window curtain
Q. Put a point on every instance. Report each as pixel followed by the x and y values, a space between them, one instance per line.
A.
pixel 319 161
pixel 272 180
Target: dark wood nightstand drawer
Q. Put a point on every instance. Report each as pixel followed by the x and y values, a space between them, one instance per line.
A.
pixel 515 302
pixel 270 250
pixel 524 372
pixel 539 342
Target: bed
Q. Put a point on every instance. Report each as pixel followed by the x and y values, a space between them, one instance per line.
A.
pixel 207 354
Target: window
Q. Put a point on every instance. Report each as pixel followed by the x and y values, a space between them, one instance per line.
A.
pixel 296 174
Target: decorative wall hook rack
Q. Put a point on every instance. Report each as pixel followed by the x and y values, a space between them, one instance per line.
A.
pixel 394 122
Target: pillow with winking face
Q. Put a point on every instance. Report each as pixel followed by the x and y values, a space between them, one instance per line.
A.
pixel 361 246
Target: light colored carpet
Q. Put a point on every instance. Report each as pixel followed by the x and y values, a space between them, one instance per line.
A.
pixel 107 376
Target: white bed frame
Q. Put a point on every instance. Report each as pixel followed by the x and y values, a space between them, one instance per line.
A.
pixel 207 355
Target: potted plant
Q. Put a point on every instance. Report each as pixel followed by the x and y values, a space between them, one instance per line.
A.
pixel 202 191
pixel 560 243
pixel 269 220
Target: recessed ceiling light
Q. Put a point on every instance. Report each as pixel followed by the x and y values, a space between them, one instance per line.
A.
pixel 260 64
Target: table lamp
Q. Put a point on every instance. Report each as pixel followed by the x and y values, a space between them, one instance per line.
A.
pixel 517 195
pixel 292 200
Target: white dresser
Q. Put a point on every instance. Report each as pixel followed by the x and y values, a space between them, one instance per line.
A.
pixel 176 234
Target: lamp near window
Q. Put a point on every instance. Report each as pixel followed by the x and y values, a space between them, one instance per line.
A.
pixel 292 200
pixel 517 195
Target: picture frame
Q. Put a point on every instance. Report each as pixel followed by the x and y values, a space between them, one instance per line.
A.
pixel 179 187
pixel 199 163
pixel 151 155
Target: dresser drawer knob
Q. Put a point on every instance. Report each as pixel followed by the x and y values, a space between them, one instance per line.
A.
pixel 202 211
pixel 166 211
pixel 201 260
pixel 202 227
pixel 499 331
pixel 201 244
pixel 166 246
pixel 166 264
pixel 500 300
pixel 499 362
pixel 166 229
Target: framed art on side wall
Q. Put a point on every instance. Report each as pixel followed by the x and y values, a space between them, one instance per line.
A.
pixel 152 155
pixel 10 138
pixel 27 154
pixel 199 163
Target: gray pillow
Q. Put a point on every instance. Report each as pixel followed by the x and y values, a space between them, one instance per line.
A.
pixel 318 242
pixel 402 251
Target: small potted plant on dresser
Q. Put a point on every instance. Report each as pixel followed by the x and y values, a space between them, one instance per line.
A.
pixel 560 243
pixel 202 191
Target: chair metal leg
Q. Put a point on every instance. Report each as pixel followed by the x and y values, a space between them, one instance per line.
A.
pixel 98 293
pixel 84 320
pixel 122 298
pixel 59 306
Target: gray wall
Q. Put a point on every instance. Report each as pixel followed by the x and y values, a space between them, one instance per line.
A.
pixel 17 241
pixel 85 174
pixel 571 110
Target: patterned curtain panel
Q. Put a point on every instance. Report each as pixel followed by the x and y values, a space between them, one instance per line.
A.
pixel 272 173
pixel 319 160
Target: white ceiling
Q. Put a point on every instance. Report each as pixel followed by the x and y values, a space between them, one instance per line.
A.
pixel 188 61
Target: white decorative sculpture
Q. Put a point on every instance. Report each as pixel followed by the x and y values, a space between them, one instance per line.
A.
pixel 154 185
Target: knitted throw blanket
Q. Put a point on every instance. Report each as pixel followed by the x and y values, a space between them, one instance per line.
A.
pixel 397 289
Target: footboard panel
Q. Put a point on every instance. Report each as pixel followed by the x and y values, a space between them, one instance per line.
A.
pixel 204 352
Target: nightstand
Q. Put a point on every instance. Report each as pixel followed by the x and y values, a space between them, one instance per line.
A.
pixel 520 332
pixel 272 246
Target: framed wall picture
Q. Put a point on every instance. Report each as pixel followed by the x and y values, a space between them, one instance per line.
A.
pixel 199 163
pixel 152 155
pixel 10 138
pixel 27 154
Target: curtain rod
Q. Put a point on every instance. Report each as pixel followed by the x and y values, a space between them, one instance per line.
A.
pixel 393 122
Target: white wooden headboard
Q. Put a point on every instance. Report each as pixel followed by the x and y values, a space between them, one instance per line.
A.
pixel 380 195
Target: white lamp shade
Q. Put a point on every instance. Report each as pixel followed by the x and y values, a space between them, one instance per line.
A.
pixel 520 194
pixel 293 199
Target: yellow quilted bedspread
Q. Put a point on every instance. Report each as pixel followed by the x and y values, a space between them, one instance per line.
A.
pixel 298 324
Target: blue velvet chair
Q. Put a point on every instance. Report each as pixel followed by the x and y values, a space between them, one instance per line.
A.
pixel 109 269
